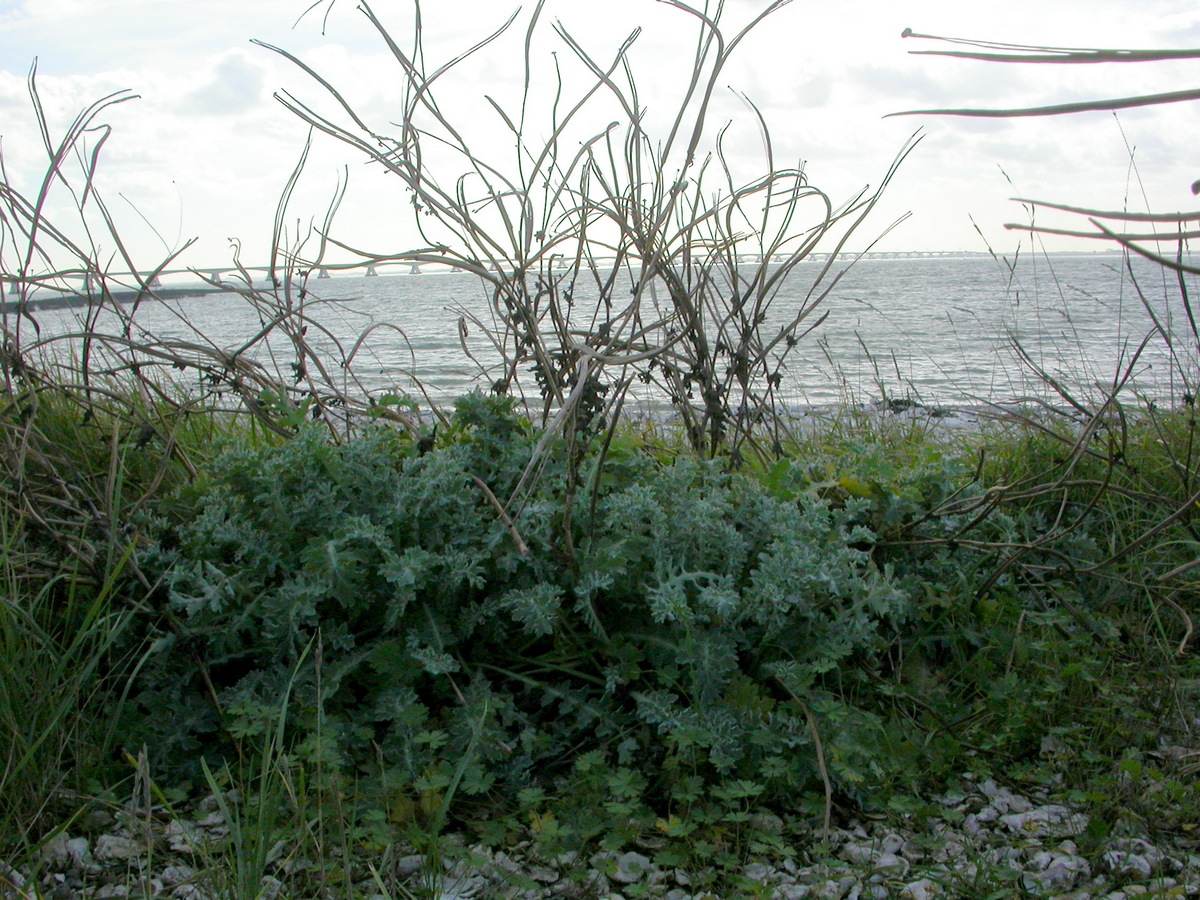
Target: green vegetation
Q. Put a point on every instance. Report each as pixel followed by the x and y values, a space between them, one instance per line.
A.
pixel 348 631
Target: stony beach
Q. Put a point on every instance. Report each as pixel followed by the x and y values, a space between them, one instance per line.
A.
pixel 987 841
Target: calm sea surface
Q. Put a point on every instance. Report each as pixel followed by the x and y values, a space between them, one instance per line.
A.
pixel 941 331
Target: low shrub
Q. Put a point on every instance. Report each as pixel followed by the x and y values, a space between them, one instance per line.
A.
pixel 693 618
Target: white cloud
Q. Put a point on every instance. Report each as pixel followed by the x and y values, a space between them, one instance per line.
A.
pixel 235 86
pixel 208 145
pixel 58 10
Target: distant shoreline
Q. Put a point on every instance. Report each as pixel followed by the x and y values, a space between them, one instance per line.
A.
pixel 72 301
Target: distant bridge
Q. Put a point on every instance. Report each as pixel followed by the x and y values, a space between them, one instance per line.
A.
pixel 153 279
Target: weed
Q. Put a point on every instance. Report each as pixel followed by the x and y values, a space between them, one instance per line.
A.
pixel 614 255
pixel 59 644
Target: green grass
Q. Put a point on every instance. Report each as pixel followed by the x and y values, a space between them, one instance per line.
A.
pixel 58 682
pixel 83 475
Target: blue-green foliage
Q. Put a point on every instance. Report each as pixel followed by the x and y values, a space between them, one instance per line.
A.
pixel 685 618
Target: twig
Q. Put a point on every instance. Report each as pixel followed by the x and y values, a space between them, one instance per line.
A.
pixel 820 748
pixel 812 726
pixel 496 505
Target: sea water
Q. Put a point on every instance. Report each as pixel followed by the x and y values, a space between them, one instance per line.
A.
pixel 936 331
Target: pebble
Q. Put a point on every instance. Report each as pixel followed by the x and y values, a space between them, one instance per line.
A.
pixel 183 837
pixel 831 890
pixel 411 864
pixel 542 874
pixel 1044 821
pixel 113 848
pixel 892 864
pixel 994 830
pixel 176 875
pixel 189 892
pixel 1056 870
pixel 858 854
pixel 65 851
pixel 1131 857
pixel 630 867
pixel 791 891
pixel 921 889
pixel 757 871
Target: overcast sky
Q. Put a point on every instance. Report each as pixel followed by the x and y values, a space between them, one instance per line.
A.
pixel 206 149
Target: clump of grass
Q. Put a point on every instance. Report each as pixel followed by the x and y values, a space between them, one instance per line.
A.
pixel 59 640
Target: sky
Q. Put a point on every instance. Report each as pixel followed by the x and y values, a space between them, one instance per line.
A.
pixel 206 149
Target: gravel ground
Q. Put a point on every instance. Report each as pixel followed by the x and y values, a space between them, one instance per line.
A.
pixel 989 842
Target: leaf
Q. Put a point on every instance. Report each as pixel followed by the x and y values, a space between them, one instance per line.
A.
pixel 434 661
pixel 536 608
